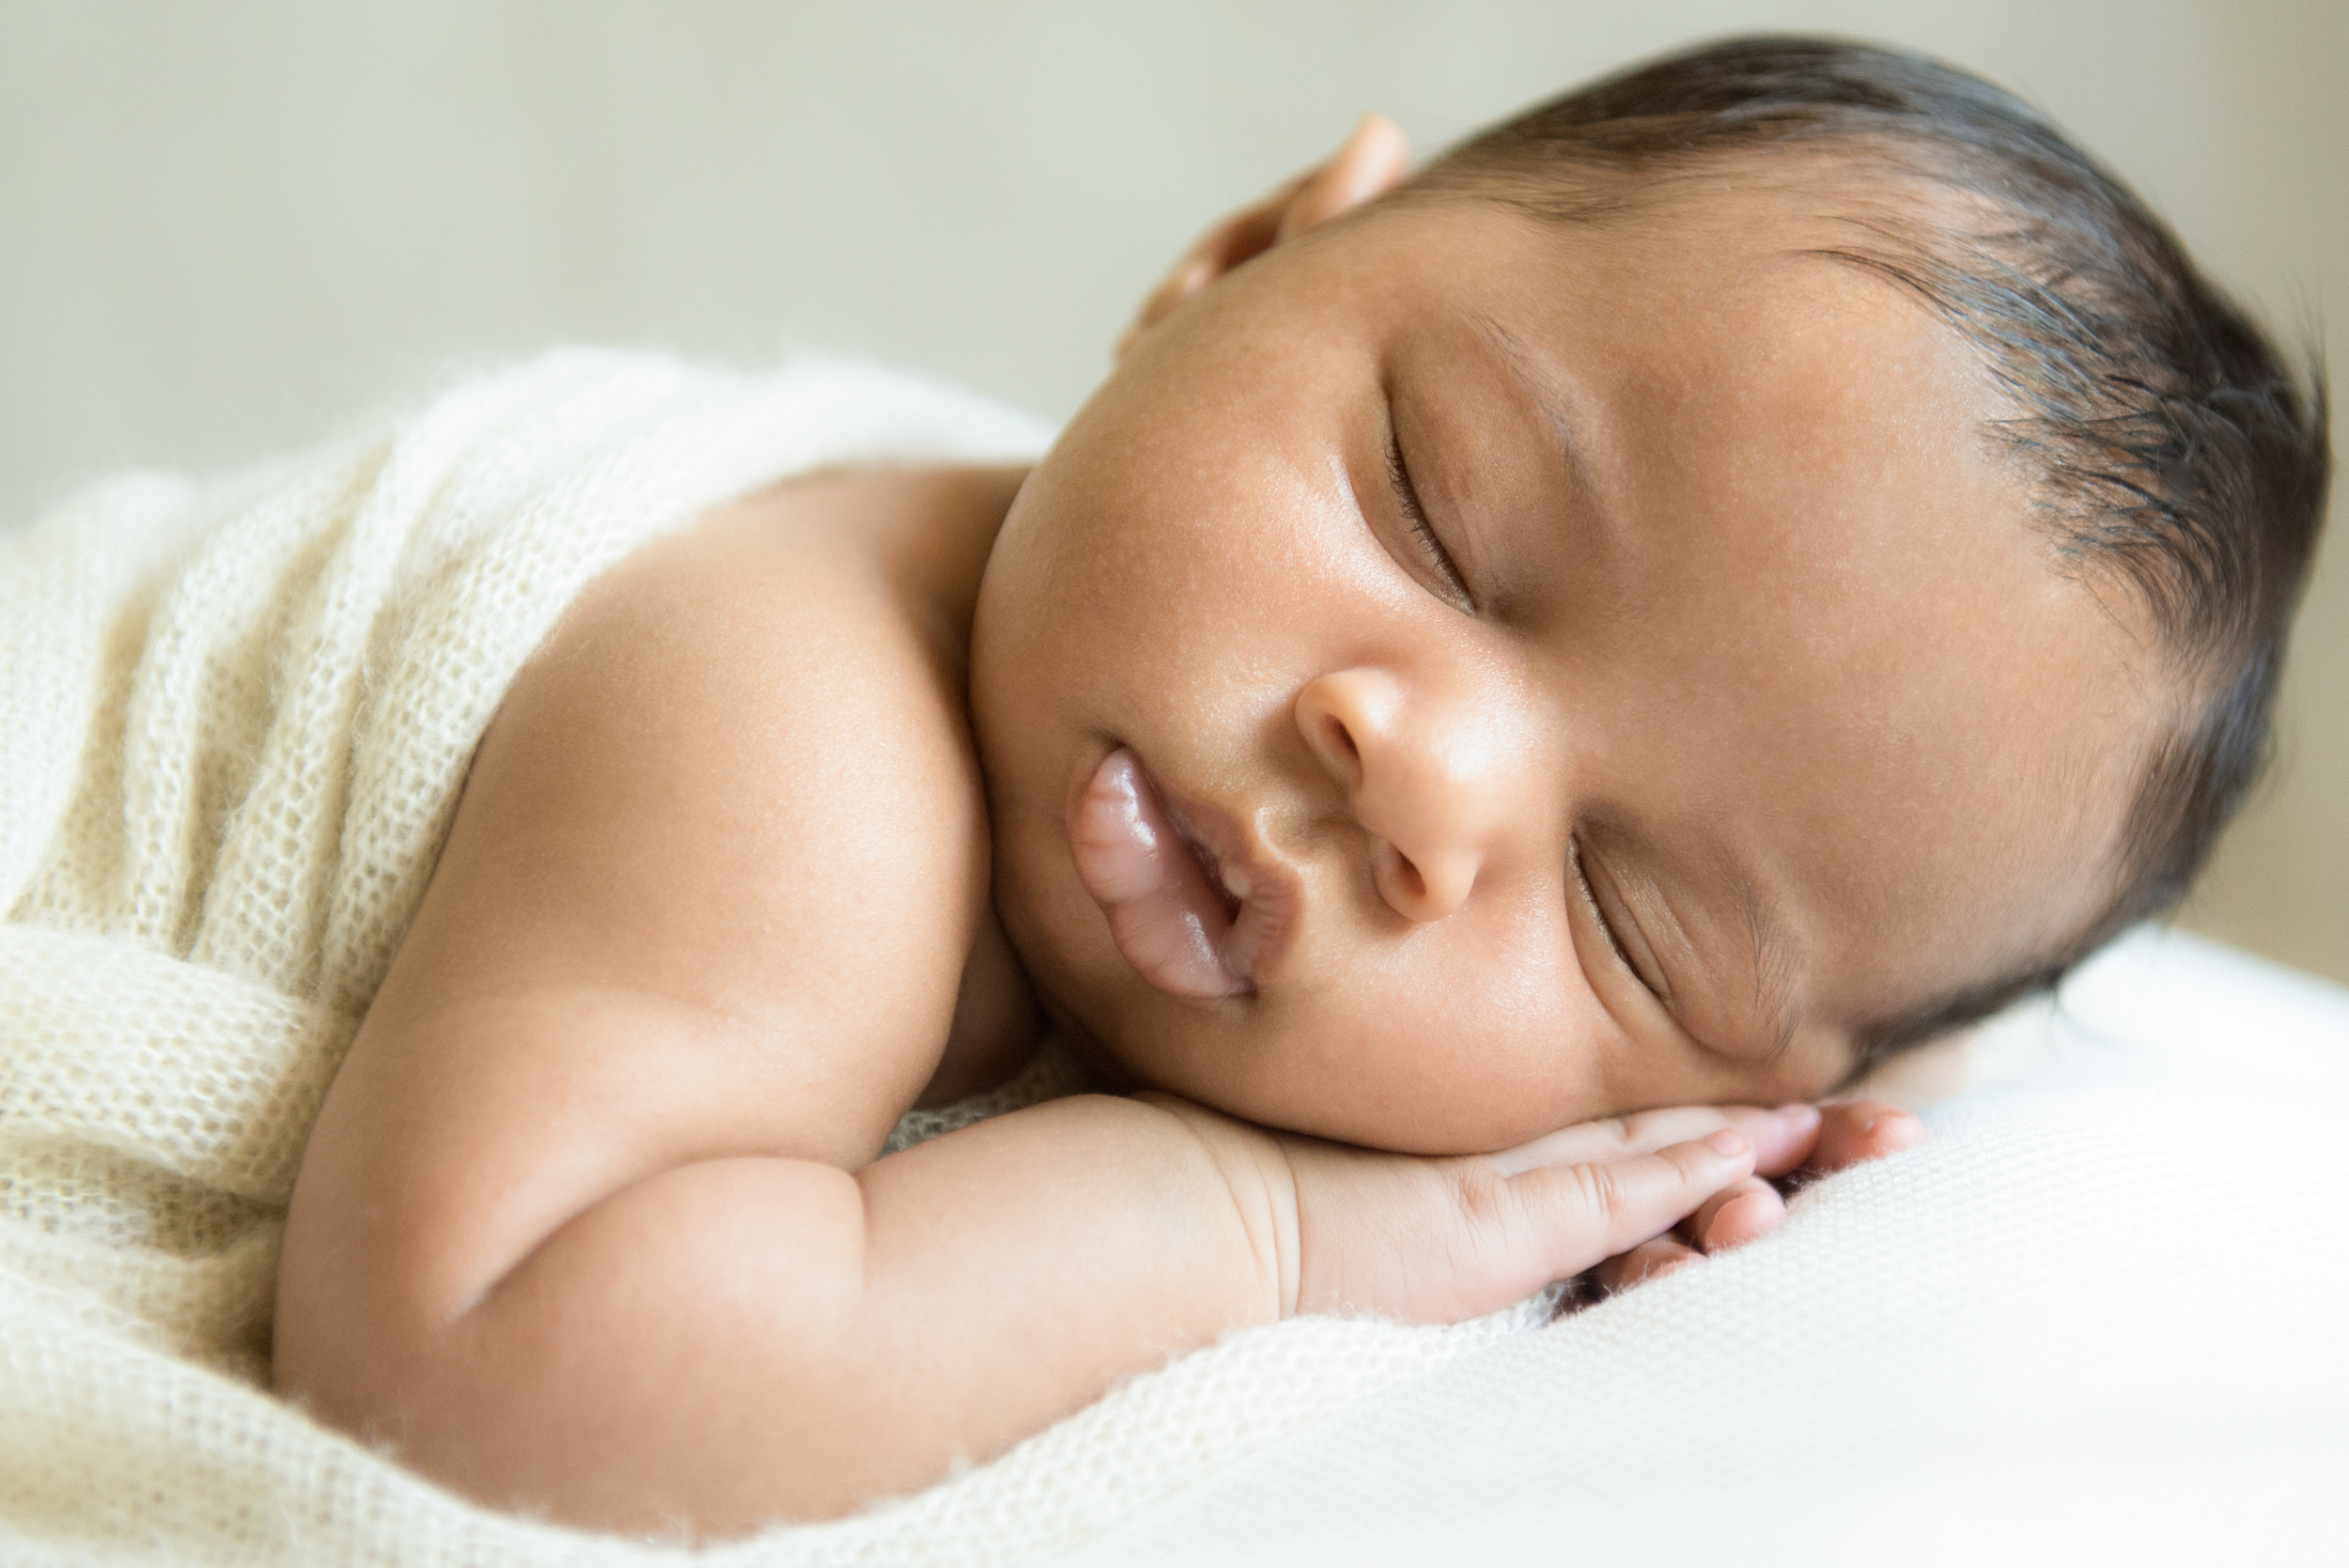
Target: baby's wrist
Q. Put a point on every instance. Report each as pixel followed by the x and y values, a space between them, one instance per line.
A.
pixel 1260 1181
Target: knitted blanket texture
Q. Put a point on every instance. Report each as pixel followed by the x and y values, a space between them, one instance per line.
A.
pixel 234 720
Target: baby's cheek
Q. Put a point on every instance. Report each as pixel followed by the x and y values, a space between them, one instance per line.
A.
pixel 1451 1083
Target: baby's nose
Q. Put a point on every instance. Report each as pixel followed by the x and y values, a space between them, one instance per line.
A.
pixel 1415 779
pixel 1425 887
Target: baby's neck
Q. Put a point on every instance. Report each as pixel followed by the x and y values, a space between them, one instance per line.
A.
pixel 997 1022
pixel 908 547
pixel 931 532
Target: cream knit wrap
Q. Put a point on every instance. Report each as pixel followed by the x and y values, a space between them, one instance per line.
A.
pixel 234 720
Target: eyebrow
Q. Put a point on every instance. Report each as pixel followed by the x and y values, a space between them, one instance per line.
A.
pixel 1544 393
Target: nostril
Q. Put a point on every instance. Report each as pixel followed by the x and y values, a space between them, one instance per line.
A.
pixel 1328 735
pixel 1399 880
pixel 1410 882
pixel 1416 889
pixel 1343 717
pixel 1341 738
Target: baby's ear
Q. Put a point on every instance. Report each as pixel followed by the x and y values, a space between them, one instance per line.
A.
pixel 1371 162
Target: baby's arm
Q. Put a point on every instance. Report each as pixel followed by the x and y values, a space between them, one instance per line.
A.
pixel 736 1339
pixel 590 1221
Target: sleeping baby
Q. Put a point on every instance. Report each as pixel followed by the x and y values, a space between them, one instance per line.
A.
pixel 1521 669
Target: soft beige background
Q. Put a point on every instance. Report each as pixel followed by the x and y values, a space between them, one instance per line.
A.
pixel 224 227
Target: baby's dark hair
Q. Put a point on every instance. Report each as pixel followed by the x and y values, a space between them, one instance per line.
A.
pixel 2173 450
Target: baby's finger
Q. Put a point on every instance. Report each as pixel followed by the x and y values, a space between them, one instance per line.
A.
pixel 1650 1260
pixel 1735 1215
pixel 1579 1214
pixel 1795 1130
pixel 1863 1129
pixel 1780 1137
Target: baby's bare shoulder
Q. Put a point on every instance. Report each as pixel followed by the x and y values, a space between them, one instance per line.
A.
pixel 742 763
pixel 710 891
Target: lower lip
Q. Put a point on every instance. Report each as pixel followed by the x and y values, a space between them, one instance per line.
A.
pixel 1169 920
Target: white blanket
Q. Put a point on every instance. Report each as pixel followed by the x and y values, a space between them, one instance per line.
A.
pixel 2101 1316
pixel 232 724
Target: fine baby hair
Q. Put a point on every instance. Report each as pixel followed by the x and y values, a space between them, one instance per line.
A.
pixel 2171 449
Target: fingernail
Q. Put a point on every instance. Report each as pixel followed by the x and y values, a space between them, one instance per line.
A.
pixel 1798 1116
pixel 1726 1142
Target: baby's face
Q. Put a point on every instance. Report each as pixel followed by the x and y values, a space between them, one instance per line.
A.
pixel 1461 676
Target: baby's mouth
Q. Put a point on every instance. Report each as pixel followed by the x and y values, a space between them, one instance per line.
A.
pixel 1170 912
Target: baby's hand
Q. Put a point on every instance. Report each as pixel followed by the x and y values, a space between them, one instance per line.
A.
pixel 1439 1240
pixel 1846 1134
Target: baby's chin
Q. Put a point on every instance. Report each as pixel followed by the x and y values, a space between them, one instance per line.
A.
pixel 1054 935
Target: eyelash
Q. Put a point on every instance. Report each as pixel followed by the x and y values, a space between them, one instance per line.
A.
pixel 1407 496
pixel 1598 915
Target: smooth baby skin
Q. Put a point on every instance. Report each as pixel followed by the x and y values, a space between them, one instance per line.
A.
pixel 591 1223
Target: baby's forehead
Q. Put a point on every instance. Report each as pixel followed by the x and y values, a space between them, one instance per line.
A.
pixel 1740 198
pixel 1800 238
